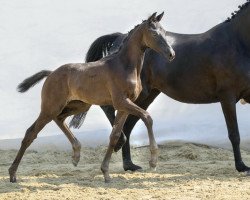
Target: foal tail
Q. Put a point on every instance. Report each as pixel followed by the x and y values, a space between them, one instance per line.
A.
pixel 33 80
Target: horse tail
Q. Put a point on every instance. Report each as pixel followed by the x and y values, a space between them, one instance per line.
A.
pixel 101 47
pixel 33 80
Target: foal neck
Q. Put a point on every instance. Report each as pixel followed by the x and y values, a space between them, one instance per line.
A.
pixel 132 50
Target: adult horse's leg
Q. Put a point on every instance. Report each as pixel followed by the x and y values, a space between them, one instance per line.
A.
pixel 143 102
pixel 229 109
pixel 30 135
pixel 115 134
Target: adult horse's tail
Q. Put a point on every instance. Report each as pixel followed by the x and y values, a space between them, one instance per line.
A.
pixel 101 47
pixel 33 80
pixel 98 49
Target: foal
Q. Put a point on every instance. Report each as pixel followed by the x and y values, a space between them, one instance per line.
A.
pixel 114 80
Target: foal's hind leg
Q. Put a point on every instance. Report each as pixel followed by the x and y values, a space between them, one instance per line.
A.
pixel 114 137
pixel 30 135
pixel 76 145
pixel 70 109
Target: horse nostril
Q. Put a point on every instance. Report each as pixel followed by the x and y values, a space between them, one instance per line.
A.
pixel 172 56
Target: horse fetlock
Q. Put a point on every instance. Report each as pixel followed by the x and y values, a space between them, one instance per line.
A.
pixel 153 161
pixel 241 167
pixel 152 164
pixel 75 159
pixel 77 146
pixel 12 174
pixel 76 153
pixel 154 157
pixel 105 172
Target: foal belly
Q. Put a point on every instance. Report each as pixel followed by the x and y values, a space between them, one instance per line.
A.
pixel 96 94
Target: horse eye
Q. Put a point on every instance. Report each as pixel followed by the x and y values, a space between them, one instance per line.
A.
pixel 152 26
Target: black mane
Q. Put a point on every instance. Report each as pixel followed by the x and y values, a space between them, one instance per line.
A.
pixel 235 13
pixel 129 34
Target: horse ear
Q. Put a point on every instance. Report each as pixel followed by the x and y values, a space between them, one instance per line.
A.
pixel 152 17
pixel 159 17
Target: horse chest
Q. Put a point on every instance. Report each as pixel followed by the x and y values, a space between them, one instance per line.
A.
pixel 134 88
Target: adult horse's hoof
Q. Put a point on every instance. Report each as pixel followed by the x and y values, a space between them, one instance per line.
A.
pixel 247 173
pixel 129 166
pixel 241 167
pixel 122 140
pixel 107 180
pixel 13 179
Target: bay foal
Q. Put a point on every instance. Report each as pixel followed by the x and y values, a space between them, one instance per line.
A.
pixel 114 80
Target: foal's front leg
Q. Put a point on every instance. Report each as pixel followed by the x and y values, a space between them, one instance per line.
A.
pixel 131 108
pixel 114 137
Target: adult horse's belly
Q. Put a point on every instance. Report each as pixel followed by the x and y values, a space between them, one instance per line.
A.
pixel 190 96
pixel 188 87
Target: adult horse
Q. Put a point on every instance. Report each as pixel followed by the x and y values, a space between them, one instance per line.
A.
pixel 210 67
pixel 114 80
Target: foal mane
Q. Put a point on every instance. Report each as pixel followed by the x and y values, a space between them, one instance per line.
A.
pixel 235 13
pixel 129 35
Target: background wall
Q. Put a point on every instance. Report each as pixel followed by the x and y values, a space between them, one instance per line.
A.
pixel 36 35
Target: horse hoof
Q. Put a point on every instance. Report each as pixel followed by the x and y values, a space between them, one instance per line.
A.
pixel 75 161
pixel 13 179
pixel 129 166
pixel 152 164
pixel 107 180
pixel 248 173
pixel 153 169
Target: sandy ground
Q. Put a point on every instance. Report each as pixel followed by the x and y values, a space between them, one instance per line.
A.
pixel 185 171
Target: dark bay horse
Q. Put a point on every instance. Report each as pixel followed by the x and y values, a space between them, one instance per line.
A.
pixel 210 67
pixel 114 80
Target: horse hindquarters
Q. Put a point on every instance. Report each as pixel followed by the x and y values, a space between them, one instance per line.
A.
pixel 53 101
